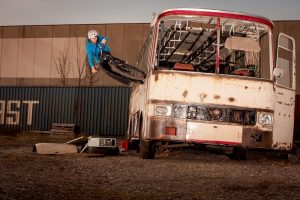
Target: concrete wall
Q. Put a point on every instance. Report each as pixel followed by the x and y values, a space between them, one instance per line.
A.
pixel 28 54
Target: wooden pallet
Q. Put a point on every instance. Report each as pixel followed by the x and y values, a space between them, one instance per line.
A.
pixel 62 129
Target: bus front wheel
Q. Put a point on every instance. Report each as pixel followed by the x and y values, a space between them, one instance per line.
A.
pixel 147 149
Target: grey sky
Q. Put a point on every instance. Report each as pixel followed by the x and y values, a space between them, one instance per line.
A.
pixel 44 12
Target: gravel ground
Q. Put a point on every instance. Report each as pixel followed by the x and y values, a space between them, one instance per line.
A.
pixel 180 174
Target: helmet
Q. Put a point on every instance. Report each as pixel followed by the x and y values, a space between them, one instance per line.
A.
pixel 92 34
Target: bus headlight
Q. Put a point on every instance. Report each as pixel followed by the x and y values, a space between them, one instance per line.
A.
pixel 162 110
pixel 265 118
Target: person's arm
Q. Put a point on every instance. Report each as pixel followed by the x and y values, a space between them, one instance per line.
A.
pixel 103 42
pixel 91 59
pixel 103 39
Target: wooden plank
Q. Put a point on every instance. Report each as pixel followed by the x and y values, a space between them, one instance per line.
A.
pixel 78 141
pixel 62 124
pixel 55 148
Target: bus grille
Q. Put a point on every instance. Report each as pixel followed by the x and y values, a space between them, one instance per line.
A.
pixel 207 113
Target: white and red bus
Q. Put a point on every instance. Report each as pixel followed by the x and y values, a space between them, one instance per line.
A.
pixel 214 78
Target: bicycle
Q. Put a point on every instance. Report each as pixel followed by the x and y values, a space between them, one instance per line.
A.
pixel 120 70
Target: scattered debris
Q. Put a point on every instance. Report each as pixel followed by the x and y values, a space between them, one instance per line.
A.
pixel 107 146
pixel 94 145
pixel 78 141
pixel 54 148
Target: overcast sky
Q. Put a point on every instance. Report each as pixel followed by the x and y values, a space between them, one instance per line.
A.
pixel 45 12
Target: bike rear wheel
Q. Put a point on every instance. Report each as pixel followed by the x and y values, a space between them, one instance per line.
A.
pixel 133 73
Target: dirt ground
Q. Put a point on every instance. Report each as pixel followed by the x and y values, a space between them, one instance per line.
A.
pixel 180 174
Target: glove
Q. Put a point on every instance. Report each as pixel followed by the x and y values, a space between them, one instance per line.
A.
pixel 102 46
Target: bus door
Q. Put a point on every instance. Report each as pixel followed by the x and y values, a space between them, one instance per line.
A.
pixel 285 85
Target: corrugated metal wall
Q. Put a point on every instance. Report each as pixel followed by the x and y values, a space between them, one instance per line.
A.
pixel 101 111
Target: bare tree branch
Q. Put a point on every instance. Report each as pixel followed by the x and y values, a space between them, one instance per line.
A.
pixel 81 60
pixel 63 65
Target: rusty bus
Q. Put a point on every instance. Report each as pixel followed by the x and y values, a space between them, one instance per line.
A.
pixel 214 78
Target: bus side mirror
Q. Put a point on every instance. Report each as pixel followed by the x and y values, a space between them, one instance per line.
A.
pixel 278 73
pixel 154 19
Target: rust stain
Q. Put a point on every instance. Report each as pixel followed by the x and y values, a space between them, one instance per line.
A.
pixel 185 93
pixel 202 96
pixel 282 146
pixel 280 93
pixel 275 145
pixel 279 102
pixel 156 77
pixel 231 99
pixel 246 87
pixel 217 97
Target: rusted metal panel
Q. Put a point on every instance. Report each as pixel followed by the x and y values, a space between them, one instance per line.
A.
pixel 157 127
pixel 213 133
pixel 94 110
pixel 254 137
pixel 283 118
pixel 210 89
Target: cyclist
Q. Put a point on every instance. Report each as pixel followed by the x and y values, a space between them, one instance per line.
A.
pixel 95 46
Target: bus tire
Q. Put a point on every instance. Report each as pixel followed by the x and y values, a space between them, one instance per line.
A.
pixel 147 149
pixel 239 153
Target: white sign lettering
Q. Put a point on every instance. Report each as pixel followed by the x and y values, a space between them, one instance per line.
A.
pixel 10 111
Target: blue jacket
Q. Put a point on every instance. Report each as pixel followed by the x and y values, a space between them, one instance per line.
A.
pixel 94 50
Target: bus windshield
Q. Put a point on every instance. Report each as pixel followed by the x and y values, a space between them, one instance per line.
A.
pixel 213 45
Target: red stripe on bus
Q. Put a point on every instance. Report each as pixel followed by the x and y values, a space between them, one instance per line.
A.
pixel 222 14
pixel 214 142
